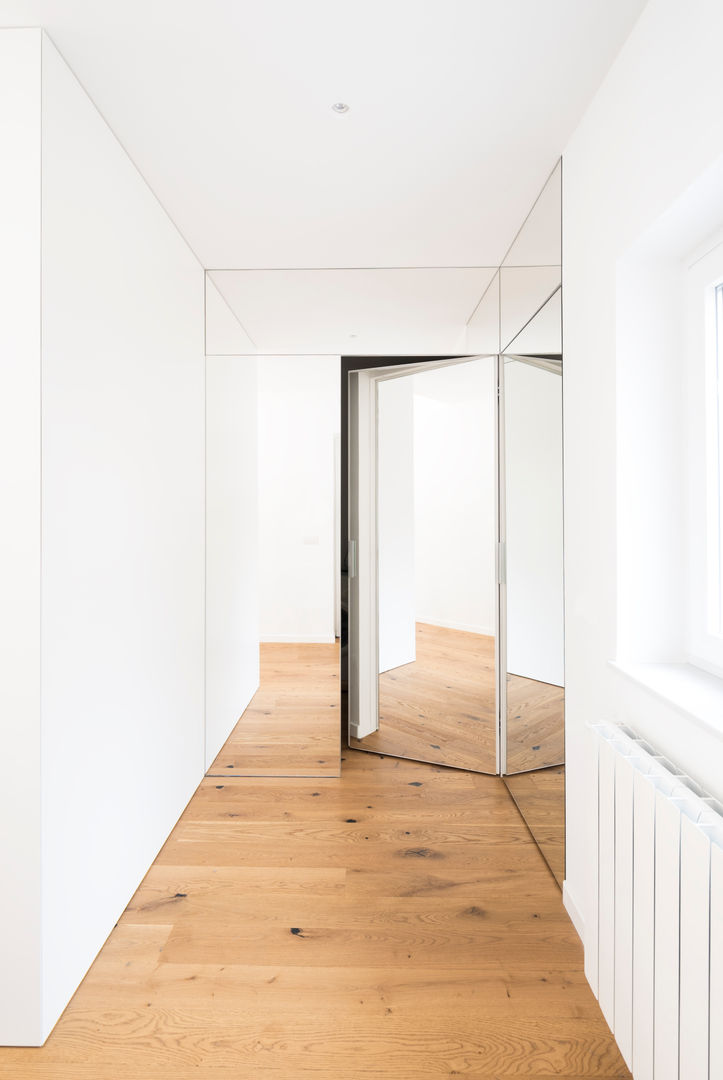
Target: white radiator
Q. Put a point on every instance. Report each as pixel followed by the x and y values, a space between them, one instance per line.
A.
pixel 660 912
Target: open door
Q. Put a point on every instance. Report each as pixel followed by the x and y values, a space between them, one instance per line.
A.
pixel 361 558
pixel 423 562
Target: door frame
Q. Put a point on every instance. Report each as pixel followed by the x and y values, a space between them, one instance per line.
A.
pixel 551 362
pixel 360 650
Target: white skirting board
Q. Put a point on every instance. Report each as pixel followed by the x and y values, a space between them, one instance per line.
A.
pixel 297 639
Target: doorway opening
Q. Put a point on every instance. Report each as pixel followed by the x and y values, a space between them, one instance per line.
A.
pixel 422 628
pixel 452 640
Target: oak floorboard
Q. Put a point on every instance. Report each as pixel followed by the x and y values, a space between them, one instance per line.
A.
pixel 353 1044
pixel 246 988
pixel 441 707
pixel 432 943
pixel 291 725
pixel 535 724
pixel 540 798
pixel 402 1071
pixel 307 801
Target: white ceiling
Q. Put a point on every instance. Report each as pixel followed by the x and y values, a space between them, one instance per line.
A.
pixel 416 311
pixel 459 110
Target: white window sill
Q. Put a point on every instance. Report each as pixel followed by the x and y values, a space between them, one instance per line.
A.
pixel 686 688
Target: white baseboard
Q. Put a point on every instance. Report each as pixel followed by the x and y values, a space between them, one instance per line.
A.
pixel 467 627
pixel 297 639
pixel 574 912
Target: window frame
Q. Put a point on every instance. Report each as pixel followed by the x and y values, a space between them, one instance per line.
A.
pixel 704 324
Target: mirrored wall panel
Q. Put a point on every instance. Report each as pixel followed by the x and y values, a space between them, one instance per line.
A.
pixel 531 276
pixel 542 335
pixel 533 723
pixel 535 707
pixel 524 292
pixel 483 325
pixel 436 536
pixel 534 571
pixel 454 473
pixel 539 241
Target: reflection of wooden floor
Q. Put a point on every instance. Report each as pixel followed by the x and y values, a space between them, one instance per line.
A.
pixel 535 724
pixel 396 922
pixel 440 708
pixel 540 797
pixel 291 727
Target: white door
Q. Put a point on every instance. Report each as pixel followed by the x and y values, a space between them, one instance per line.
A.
pixel 411 632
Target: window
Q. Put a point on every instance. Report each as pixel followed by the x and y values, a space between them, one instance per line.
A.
pixel 705 358
pixel 714 315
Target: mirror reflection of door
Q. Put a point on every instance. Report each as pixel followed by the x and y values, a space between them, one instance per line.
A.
pixel 436 477
pixel 535 729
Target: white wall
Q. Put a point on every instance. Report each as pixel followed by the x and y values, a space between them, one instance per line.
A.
pixel 655 126
pixel 116 748
pixel 20 915
pixel 454 496
pixel 232 603
pixel 299 409
pixel 224 336
pixel 395 522
pixel 122 527
pixel 533 512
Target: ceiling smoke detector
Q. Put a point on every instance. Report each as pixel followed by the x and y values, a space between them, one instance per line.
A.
pixel 340 107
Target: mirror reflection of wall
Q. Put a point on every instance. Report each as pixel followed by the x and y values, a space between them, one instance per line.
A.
pixel 436 477
pixel 542 334
pixel 533 511
pixel 531 278
pixel 525 291
pixel 539 241
pixel 483 325
pixel 437 483
pixel 530 309
pixel 535 729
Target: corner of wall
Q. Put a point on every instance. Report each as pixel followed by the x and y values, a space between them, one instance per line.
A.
pixel 573 910
pixel 20 479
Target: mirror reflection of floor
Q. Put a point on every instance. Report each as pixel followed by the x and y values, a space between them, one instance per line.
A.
pixel 441 707
pixel 535 724
pixel 540 798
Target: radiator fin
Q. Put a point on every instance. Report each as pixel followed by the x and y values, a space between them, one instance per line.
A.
pixel 667 937
pixel 694 949
pixel 716 961
pixel 606 878
pixel 623 1025
pixel 659 929
pixel 643 921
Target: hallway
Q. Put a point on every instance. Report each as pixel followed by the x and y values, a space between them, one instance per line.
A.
pixel 396 922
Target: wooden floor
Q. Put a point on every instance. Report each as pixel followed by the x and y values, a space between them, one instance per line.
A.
pixel 535 724
pixel 291 727
pixel 397 922
pixel 540 798
pixel 441 708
